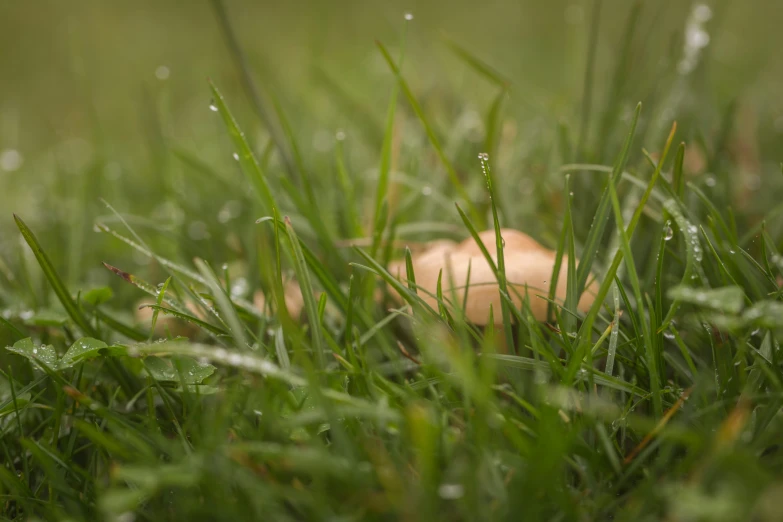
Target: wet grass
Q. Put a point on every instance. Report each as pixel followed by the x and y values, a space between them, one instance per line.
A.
pixel 330 400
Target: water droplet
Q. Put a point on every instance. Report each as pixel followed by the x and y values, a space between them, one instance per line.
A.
pixel 702 13
pixel 710 181
pixel 697 38
pixel 339 135
pixel 426 190
pixel 571 194
pixel 10 160
pixel 408 16
pixel 236 156
pixel 451 491
pixel 239 287
pixel 668 233
pixel 732 252
pixel 483 156
pixel 212 106
pixel 162 72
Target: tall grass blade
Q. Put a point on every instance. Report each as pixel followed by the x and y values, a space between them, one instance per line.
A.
pixel 56 283
pixel 450 170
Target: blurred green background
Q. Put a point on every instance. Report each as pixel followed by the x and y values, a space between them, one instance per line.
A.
pixel 111 100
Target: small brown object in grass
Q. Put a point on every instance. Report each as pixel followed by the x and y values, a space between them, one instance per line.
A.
pixel 527 263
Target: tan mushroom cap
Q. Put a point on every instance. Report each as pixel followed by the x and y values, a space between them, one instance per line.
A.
pixel 527 263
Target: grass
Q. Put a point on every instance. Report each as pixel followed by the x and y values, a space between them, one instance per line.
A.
pixel 661 402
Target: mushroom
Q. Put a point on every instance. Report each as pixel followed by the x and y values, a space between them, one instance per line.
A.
pixel 527 263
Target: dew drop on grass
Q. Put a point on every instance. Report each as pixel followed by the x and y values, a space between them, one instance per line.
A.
pixel 340 135
pixel 212 106
pixel 162 72
pixel 451 491
pixel 702 13
pixel 10 160
pixel 710 181
pixel 408 16
pixel 426 190
pixel 668 233
pixel 236 156
pixel 239 287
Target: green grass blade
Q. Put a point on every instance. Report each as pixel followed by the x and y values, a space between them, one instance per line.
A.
pixel 253 91
pixel 216 330
pixel 601 217
pixel 499 246
pixel 568 322
pixel 159 302
pixel 587 87
pixel 56 283
pixel 246 158
pixel 652 356
pixel 228 312
pixel 478 65
pixel 678 179
pixel 303 277
pixel 452 173
pixel 382 188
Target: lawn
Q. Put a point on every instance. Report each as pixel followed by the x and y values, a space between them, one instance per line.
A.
pixel 216 300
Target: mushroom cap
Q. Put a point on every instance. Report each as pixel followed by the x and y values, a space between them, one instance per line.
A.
pixel 528 263
pixel 514 241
